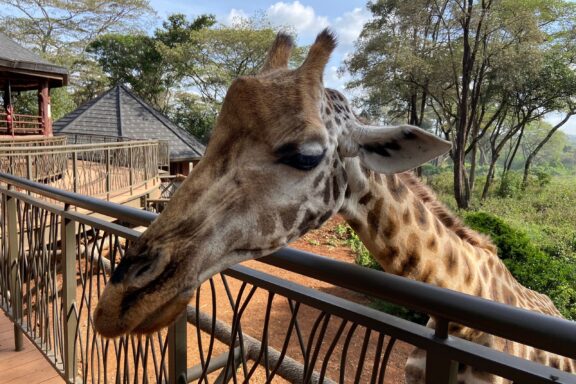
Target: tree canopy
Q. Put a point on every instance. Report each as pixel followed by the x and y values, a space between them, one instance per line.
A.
pixel 467 69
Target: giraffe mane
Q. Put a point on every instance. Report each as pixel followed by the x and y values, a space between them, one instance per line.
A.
pixel 443 214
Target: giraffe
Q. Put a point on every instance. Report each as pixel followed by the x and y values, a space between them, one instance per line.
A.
pixel 286 154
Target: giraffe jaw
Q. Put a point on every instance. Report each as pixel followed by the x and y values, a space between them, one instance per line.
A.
pixel 166 314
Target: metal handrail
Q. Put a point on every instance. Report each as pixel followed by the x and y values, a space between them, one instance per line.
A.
pixel 88 138
pixel 95 169
pixel 531 328
pixel 9 150
pixel 26 141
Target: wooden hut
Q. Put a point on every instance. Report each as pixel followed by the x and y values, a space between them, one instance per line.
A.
pixel 120 113
pixel 22 70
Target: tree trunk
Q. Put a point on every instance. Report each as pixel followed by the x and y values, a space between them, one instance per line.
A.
pixel 489 178
pixel 513 154
pixel 533 154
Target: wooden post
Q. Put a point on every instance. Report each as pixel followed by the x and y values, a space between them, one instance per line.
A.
pixel 108 181
pixel 9 109
pixel 44 108
pixel 75 171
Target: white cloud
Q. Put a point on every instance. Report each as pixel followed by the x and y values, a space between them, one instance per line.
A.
pixel 349 26
pixel 296 15
pixel 332 79
pixel 304 20
pixel 235 16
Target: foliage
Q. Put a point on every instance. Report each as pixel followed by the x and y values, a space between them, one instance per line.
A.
pixel 59 28
pixel 212 57
pixel 60 31
pixel 137 60
pixel 529 265
pixel 510 184
pixel 185 68
pixel 363 256
pixel 194 115
pixel 478 72
pixel 365 259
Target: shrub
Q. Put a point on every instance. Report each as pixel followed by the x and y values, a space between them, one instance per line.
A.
pixel 365 259
pixel 510 184
pixel 532 267
pixel 543 178
pixel 363 256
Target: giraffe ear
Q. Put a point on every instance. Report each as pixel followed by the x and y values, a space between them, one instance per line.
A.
pixel 318 55
pixel 396 149
pixel 279 53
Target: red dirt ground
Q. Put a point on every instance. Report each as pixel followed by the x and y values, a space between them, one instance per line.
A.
pixel 325 242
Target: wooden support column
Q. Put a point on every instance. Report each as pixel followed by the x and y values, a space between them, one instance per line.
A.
pixel 44 107
pixel 9 109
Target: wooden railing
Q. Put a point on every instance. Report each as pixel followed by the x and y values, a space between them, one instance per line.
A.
pixel 104 170
pixel 32 141
pixel 20 124
pixel 83 138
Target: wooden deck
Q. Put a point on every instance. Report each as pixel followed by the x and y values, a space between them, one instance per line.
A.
pixel 27 366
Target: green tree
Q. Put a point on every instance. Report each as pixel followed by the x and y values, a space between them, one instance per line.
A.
pixel 466 63
pixel 59 28
pixel 138 60
pixel 213 57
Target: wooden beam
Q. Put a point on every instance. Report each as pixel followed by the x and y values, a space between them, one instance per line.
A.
pixel 44 107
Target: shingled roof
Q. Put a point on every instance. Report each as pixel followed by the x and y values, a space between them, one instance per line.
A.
pixel 119 112
pixel 16 59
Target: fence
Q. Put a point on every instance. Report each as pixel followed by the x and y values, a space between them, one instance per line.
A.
pixel 104 169
pixel 20 124
pixel 27 141
pixel 83 138
pixel 244 324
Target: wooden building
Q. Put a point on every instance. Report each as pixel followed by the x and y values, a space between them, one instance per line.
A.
pixel 120 113
pixel 22 70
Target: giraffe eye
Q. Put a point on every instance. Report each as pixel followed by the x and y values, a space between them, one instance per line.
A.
pixel 302 162
pixel 304 157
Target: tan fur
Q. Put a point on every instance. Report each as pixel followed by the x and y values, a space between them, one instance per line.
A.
pixel 446 217
pixel 247 198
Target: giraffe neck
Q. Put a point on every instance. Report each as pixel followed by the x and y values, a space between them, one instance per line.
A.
pixel 408 238
pixel 411 234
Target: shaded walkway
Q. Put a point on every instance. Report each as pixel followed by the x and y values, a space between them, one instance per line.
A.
pixel 27 366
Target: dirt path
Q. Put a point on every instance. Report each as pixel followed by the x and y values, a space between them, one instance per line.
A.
pixel 323 242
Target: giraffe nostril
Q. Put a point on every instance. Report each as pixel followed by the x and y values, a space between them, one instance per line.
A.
pixel 143 269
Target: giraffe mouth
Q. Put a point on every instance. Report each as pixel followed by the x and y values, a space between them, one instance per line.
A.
pixel 165 315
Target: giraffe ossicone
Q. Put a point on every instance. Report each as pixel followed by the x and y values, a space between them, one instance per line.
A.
pixel 285 155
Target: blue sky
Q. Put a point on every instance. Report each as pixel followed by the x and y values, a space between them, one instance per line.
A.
pixel 307 18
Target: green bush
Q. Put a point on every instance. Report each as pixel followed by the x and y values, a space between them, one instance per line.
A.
pixel 543 178
pixel 510 185
pixel 532 267
pixel 365 259
pixel 363 256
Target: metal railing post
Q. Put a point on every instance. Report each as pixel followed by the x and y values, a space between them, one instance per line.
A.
pixel 177 351
pixel 440 369
pixel 108 174
pixel 28 167
pixel 15 291
pixel 70 320
pixel 131 172
pixel 145 164
pixel 75 171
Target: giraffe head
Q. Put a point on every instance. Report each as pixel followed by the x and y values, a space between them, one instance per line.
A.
pixel 274 169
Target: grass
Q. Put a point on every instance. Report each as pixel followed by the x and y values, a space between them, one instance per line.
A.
pixel 544 213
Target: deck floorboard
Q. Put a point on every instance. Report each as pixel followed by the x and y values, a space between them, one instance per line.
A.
pixel 25 367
